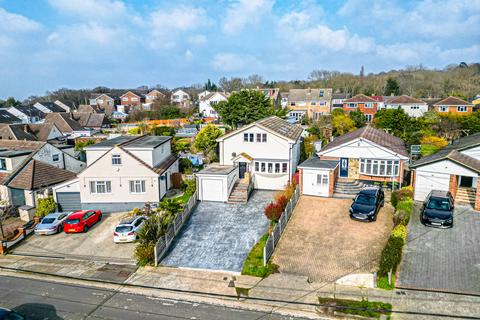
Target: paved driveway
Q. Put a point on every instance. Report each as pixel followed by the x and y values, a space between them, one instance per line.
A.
pixel 219 236
pixel 443 259
pixel 96 244
pixel 323 243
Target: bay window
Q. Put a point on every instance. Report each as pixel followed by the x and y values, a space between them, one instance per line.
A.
pixel 384 168
pixel 271 167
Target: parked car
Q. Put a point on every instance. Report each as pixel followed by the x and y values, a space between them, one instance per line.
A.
pixel 127 230
pixel 52 223
pixel 7 314
pixel 437 210
pixel 81 221
pixel 367 203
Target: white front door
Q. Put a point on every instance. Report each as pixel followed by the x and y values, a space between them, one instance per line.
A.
pixel 315 183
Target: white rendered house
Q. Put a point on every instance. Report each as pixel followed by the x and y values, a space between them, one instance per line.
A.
pixel 207 103
pixel 412 106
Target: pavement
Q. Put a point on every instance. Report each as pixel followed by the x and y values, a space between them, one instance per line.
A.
pixel 96 244
pixel 219 236
pixel 322 243
pixel 443 259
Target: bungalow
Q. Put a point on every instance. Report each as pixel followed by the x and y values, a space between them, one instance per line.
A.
pixel 455 168
pixel 412 106
pixel 32 132
pixel 28 114
pixel 365 155
pixel 123 173
pixel 453 105
pixel 262 155
pixel 367 105
pixel 207 102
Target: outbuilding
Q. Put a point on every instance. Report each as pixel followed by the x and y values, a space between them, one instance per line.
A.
pixel 317 177
pixel 215 182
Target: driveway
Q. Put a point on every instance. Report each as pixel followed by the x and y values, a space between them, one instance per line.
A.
pixel 324 244
pixel 96 244
pixel 443 259
pixel 219 236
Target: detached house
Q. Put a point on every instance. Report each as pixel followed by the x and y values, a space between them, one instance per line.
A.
pixel 122 173
pixel 8 118
pixel 311 103
pixel 453 105
pixel 263 154
pixel 412 106
pixel 48 107
pixel 154 95
pixel 367 105
pixel 180 96
pixel 206 104
pixel 131 98
pixel 455 168
pixel 103 100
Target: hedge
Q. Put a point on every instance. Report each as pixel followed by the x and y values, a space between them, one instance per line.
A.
pixel 392 253
pixel 404 193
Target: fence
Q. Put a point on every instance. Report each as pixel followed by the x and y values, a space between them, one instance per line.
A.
pixel 163 244
pixel 280 227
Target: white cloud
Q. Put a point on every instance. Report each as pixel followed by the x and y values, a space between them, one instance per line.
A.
pixel 197 40
pixel 244 12
pixel 182 18
pixel 229 62
pixel 85 34
pixel 15 23
pixel 469 54
pixel 188 55
pixel 94 10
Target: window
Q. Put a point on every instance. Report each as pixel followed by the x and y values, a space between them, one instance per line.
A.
pixel 443 108
pixel 383 168
pixel 3 164
pixel 324 179
pixel 100 187
pixel 415 107
pixel 259 137
pixel 137 186
pixel 368 105
pixel 270 167
pixel 257 166
pixel 277 167
pixel 55 157
pixel 321 93
pixel 264 137
pixel 125 99
pixel 368 117
pixel 134 99
pixel 245 137
pixel 263 167
pixel 351 105
pixel 292 104
pixel 116 159
pixel 284 167
pixel 251 137
pixel 312 103
pixel 462 108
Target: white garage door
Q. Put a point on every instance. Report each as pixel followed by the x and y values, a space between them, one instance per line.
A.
pixel 426 182
pixel 212 189
pixel 315 183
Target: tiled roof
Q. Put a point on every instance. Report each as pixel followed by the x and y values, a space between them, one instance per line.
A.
pixel 52 107
pixel 211 94
pixel 36 174
pixel 340 95
pixel 309 94
pixel 282 127
pixel 89 120
pixel 165 164
pixel 405 100
pixel 315 162
pixel 30 111
pixel 63 121
pixel 452 101
pixel 21 145
pixel 377 136
pixel 360 98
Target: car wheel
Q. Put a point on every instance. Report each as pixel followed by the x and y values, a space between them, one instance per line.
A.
pixel 85 229
pixel 58 229
pixel 100 217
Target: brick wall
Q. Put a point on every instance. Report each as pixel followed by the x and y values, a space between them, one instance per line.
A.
pixel 477 197
pixel 332 178
pixel 453 185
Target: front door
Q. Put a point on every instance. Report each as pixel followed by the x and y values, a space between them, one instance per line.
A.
pixel 242 167
pixel 466 182
pixel 343 167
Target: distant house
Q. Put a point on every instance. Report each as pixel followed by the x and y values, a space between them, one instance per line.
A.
pixel 90 120
pixel 180 96
pixel 64 122
pixel 119 115
pixel 131 98
pixel 207 102
pixel 412 106
pixel 125 172
pixel 68 106
pixel 103 100
pixel 453 105
pixel 312 103
pixel 367 105
pixel 338 99
pixel 28 114
pixel 48 107
pixel 30 132
pixel 274 95
pixel 154 95
pixel 203 94
pixel 8 118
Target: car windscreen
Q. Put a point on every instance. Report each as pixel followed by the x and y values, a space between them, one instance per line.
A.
pixel 365 200
pixel 48 220
pixel 72 221
pixel 123 229
pixel 441 204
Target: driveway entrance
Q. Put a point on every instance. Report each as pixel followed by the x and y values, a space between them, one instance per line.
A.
pixel 219 235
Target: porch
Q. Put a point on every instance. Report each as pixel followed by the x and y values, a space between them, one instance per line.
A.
pixel 464 189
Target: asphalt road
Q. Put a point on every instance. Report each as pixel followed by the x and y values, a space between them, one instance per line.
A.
pixel 49 300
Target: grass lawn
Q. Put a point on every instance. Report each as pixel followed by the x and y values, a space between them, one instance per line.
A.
pixel 382 283
pixel 253 265
pixel 362 308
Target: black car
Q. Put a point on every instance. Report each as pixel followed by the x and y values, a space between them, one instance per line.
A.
pixel 7 314
pixel 367 203
pixel 437 210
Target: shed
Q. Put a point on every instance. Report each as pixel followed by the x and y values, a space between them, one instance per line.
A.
pixel 317 177
pixel 215 182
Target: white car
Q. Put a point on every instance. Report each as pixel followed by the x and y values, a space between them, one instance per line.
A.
pixel 127 230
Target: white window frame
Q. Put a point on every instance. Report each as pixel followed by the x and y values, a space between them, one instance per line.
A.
pixel 116 160
pixel 3 164
pixel 373 167
pixel 275 167
pixel 351 105
pixel 443 108
pixel 462 109
pixel 96 185
pixel 57 156
pixel 368 105
pixel 137 186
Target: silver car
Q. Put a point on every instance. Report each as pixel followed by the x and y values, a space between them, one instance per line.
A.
pixel 52 223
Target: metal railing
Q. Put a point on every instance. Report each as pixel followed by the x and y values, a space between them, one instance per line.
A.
pixel 163 244
pixel 277 231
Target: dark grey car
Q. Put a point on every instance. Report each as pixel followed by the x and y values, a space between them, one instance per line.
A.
pixel 437 210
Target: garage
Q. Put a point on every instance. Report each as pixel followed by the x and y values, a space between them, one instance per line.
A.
pixel 318 177
pixel 67 196
pixel 215 182
pixel 426 182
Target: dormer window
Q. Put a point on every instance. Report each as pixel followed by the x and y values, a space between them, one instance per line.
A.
pixel 3 164
pixel 116 160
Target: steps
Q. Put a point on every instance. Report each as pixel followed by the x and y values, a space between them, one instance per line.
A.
pixel 345 188
pixel 239 193
pixel 465 196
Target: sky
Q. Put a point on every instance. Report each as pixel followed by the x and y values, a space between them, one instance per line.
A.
pixel 51 44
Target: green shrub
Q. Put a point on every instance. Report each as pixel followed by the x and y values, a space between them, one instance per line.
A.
pixel 45 206
pixel 185 164
pixel 394 198
pixel 401 217
pixel 392 253
pixel 189 186
pixel 145 253
pixel 401 195
pixel 364 308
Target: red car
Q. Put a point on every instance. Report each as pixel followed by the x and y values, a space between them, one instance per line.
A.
pixel 81 221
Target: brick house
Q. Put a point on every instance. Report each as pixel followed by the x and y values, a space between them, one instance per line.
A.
pixel 367 105
pixel 153 95
pixel 453 105
pixel 131 98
